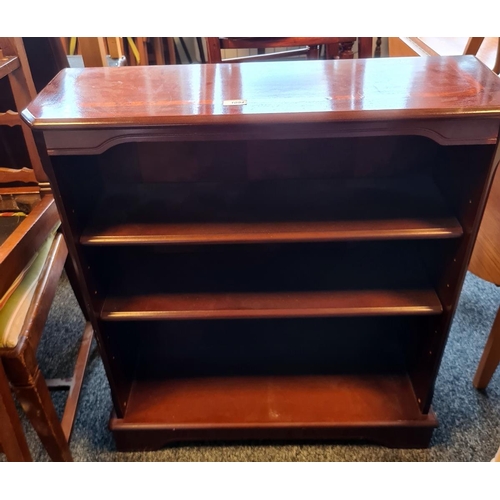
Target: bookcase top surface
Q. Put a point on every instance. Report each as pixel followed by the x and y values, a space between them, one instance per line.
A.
pixel 267 92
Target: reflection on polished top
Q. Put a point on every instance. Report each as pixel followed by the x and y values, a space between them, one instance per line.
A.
pixel 273 92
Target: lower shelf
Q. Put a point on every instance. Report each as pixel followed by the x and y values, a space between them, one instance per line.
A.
pixel 374 407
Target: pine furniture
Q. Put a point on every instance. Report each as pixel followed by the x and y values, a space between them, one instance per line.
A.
pixel 272 250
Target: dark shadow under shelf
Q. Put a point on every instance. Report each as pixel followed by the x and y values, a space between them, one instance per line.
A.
pixel 271 211
pixel 248 281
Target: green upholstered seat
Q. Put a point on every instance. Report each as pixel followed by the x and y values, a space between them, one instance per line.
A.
pixel 13 313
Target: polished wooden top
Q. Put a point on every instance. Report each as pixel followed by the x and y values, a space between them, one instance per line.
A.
pixel 275 92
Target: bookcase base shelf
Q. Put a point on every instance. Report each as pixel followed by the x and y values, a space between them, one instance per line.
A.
pixel 406 434
pixel 375 407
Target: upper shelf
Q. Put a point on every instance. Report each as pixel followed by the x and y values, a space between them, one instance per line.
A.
pixel 270 92
pixel 8 65
pixel 272 211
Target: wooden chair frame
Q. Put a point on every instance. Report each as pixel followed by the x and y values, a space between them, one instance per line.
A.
pixel 472 48
pixel 20 362
pixel 12 440
pixel 94 50
pixel 16 253
pixel 415 46
pixel 485 260
pixel 335 47
pixel 491 357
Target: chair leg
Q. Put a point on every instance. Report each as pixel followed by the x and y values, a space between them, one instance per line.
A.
pixel 365 47
pixel 490 358
pixel 34 397
pixel 496 67
pixel 75 285
pixel 313 52
pixel 68 418
pixel 37 404
pixel 12 439
pixel 332 51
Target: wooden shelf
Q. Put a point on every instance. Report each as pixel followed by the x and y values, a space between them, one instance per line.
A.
pixel 302 378
pixel 8 65
pixel 272 211
pixel 259 282
pixel 271 399
pixel 319 406
pixel 310 244
pixel 271 305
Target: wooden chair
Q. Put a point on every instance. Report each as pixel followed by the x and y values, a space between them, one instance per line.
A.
pixel 486 49
pixel 46 57
pixel 151 50
pixel 485 260
pixel 12 440
pixel 485 263
pixel 473 46
pixel 33 254
pixel 137 51
pixel 308 46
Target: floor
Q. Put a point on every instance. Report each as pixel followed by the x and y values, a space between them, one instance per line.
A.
pixel 469 420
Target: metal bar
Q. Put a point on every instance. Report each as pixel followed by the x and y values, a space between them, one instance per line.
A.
pixel 55 384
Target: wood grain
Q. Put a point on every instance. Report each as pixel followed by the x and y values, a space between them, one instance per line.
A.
pixel 22 175
pixel 485 260
pixel 328 91
pixel 271 305
pixel 93 50
pixel 272 400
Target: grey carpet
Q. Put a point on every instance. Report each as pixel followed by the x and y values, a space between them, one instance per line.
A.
pixel 469 420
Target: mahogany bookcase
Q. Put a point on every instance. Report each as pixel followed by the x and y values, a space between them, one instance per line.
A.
pixel 271 250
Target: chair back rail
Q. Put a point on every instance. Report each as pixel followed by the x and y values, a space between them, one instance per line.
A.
pixel 309 46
